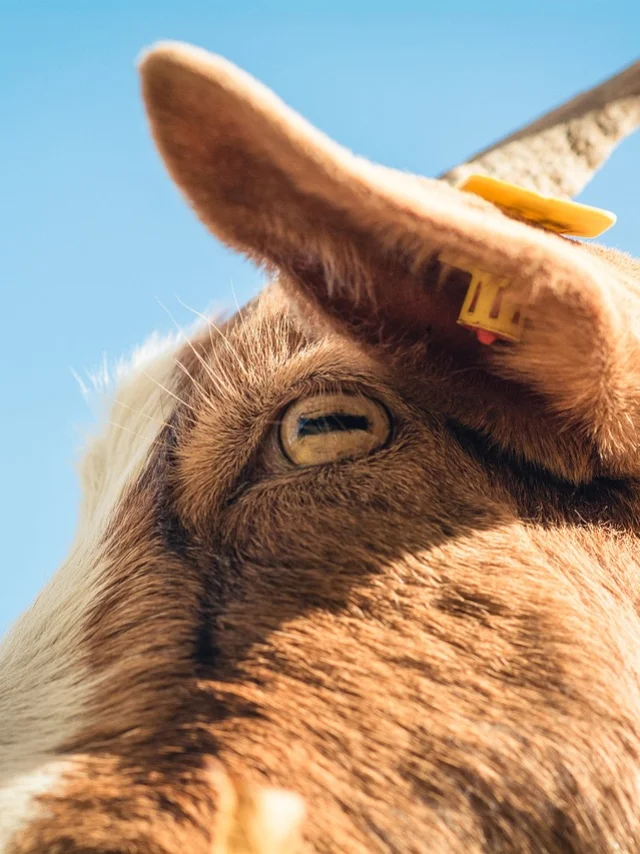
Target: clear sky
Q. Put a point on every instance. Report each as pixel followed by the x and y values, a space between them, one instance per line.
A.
pixel 94 238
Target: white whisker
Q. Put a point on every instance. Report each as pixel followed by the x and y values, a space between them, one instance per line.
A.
pixel 144 415
pixel 194 382
pixel 134 433
pixel 170 393
pixel 225 340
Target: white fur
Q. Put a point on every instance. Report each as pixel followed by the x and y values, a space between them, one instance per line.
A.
pixel 43 685
pixel 17 806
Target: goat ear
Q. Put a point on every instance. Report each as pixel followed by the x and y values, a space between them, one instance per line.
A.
pixel 560 152
pixel 361 242
pixel 265 182
pixel 261 178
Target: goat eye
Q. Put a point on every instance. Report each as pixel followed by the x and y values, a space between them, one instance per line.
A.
pixel 329 427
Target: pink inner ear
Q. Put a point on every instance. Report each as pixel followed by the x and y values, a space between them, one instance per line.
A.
pixel 485 337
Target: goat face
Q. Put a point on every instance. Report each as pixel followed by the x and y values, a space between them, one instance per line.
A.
pixel 362 557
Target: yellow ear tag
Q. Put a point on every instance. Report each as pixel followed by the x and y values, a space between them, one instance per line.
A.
pixel 489 310
pixel 487 307
pixel 559 215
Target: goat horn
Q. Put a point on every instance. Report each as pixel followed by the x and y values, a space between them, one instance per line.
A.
pixel 560 152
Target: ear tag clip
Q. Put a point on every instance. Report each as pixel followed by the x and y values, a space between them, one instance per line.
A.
pixel 487 308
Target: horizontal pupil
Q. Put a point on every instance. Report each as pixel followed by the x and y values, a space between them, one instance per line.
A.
pixel 333 423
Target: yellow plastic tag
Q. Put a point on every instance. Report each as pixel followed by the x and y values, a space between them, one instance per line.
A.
pixel 488 308
pixel 559 215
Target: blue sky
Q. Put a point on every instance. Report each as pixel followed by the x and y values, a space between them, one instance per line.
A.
pixel 94 238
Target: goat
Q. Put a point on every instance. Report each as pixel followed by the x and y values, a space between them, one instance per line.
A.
pixel 337 556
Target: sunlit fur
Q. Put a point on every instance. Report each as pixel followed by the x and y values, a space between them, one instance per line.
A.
pixel 43 671
pixel 435 647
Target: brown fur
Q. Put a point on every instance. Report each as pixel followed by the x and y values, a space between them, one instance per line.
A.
pixel 437 646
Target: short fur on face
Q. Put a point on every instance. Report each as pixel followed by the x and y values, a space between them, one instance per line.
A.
pixel 436 645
